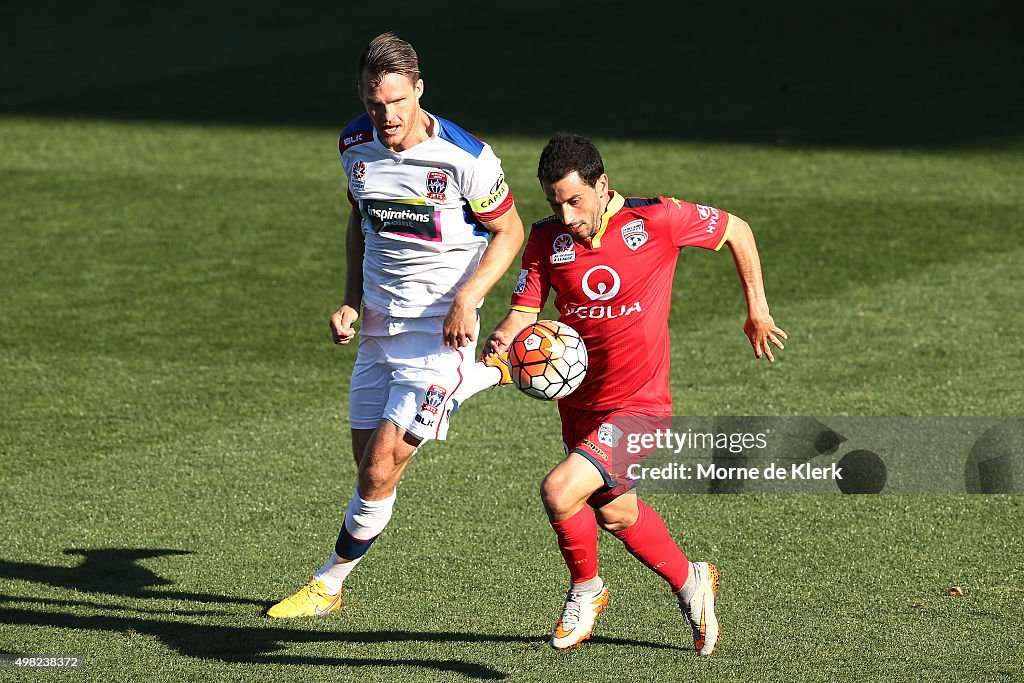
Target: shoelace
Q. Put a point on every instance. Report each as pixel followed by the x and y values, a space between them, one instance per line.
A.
pixel 573 604
pixel 571 613
pixel 315 590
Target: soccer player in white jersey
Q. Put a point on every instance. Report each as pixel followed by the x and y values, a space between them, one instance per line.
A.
pixel 433 227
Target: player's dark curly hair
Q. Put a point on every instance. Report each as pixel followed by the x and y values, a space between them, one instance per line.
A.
pixel 568 152
pixel 387 54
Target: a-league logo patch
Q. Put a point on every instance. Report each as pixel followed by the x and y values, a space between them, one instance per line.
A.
pixel 563 249
pixel 437 183
pixel 634 234
pixel 433 399
pixel 358 180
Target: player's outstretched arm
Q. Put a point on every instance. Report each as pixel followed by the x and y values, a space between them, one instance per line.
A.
pixel 506 238
pixel 501 337
pixel 760 327
pixel 342 319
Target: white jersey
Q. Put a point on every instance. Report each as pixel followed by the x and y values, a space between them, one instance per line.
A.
pixel 422 212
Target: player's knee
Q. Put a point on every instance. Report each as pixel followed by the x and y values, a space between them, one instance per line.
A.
pixel 376 478
pixel 613 521
pixel 553 493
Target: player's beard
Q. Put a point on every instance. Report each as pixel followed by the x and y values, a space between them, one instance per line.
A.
pixel 396 138
pixel 405 129
pixel 595 225
pixel 586 230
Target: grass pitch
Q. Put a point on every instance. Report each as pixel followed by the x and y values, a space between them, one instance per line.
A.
pixel 173 445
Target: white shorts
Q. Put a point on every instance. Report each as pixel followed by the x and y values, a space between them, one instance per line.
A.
pixel 408 379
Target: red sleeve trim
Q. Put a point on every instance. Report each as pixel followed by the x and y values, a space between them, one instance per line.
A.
pixel 499 211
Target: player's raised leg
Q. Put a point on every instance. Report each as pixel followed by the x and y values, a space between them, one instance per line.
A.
pixel 490 371
pixel 564 493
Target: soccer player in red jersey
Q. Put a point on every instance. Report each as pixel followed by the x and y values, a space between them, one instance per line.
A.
pixel 610 260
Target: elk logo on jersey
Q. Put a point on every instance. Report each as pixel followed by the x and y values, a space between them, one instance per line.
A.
pixel 437 183
pixel 433 399
pixel 563 249
pixel 634 234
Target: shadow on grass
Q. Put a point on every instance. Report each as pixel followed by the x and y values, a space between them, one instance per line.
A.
pixel 116 572
pixel 253 645
pixel 108 606
pixel 244 645
pixel 865 74
pixel 111 571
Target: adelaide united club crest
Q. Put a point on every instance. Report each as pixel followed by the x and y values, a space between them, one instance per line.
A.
pixel 634 234
pixel 437 183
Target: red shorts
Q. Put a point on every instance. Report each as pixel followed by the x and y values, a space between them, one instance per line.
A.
pixel 605 439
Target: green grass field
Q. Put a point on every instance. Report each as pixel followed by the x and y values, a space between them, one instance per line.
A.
pixel 173 445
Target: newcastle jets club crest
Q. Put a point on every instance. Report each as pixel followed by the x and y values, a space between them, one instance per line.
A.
pixel 634 234
pixel 437 183
pixel 433 399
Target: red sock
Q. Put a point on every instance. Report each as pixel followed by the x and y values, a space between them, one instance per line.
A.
pixel 577 539
pixel 649 541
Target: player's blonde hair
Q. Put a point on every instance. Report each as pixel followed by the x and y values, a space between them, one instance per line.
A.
pixel 387 54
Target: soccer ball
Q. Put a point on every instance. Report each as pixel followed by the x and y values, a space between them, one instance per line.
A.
pixel 548 360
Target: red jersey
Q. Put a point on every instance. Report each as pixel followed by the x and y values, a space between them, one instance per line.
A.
pixel 615 290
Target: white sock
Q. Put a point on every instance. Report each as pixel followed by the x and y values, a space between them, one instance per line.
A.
pixel 365 519
pixel 334 572
pixel 476 378
pixel 592 586
pixel 689 586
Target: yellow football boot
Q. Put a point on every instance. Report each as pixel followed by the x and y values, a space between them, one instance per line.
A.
pixel 312 600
